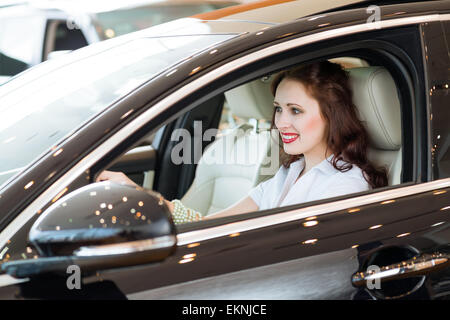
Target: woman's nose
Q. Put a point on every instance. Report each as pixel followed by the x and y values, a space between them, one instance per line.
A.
pixel 282 121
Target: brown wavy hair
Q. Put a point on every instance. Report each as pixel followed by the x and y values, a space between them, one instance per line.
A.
pixel 347 138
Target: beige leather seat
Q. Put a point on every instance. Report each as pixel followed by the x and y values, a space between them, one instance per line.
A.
pixel 238 161
pixel 375 95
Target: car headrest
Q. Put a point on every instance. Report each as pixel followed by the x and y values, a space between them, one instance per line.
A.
pixel 252 100
pixel 376 98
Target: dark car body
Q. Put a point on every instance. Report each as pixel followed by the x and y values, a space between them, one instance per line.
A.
pixel 271 254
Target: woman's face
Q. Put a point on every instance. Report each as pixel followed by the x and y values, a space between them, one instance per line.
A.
pixel 298 118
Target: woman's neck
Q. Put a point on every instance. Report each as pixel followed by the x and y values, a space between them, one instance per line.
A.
pixel 314 158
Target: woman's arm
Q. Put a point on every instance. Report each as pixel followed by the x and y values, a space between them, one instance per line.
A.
pixel 243 206
pixel 118 177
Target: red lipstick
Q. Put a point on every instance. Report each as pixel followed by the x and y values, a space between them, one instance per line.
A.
pixel 289 137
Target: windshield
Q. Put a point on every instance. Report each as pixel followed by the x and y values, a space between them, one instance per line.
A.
pixel 37 114
pixel 122 21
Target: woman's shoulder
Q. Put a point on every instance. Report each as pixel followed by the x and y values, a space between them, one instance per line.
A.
pixel 353 176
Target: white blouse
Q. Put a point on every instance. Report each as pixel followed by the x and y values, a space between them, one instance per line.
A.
pixel 320 182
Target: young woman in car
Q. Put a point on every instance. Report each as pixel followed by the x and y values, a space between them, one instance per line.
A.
pixel 324 150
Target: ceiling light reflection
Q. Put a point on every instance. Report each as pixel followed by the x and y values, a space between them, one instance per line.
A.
pixel 171 72
pixel 59 195
pixel 403 235
pixel 126 114
pixel 195 70
pixel 28 185
pixel 185 260
pixel 58 152
pixel 438 224
pixel 310 223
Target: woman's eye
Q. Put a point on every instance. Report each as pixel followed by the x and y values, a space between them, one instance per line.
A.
pixel 277 109
pixel 296 111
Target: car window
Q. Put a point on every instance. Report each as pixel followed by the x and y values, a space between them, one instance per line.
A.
pixel 16 56
pixel 67 39
pixel 50 107
pixel 246 153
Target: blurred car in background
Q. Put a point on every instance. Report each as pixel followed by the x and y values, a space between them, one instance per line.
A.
pixel 35 31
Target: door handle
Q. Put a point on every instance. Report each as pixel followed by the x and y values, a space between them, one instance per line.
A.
pixel 417 266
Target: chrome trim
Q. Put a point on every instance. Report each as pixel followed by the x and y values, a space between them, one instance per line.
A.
pixel 7 280
pixel 126 247
pixel 164 104
pixel 422 265
pixel 317 210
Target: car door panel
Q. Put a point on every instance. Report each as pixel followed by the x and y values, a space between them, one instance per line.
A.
pixel 338 245
pixel 295 279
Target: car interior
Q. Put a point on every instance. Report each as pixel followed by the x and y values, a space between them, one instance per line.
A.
pixel 239 157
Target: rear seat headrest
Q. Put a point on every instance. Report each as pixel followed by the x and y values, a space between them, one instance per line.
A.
pixel 252 100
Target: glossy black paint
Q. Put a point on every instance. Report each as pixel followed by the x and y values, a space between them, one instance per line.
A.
pixel 99 214
pixel 437 61
pixel 334 232
pixel 14 198
pixel 426 228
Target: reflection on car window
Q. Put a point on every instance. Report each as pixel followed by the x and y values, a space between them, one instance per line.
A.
pixel 16 56
pixel 119 22
pixel 44 111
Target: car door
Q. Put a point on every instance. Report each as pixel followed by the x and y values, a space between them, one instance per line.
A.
pixel 314 250
pixel 321 251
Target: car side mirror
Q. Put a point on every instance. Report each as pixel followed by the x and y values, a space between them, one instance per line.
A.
pixel 100 226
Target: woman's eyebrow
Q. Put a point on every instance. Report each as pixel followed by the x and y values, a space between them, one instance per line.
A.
pixel 289 104
pixel 294 105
